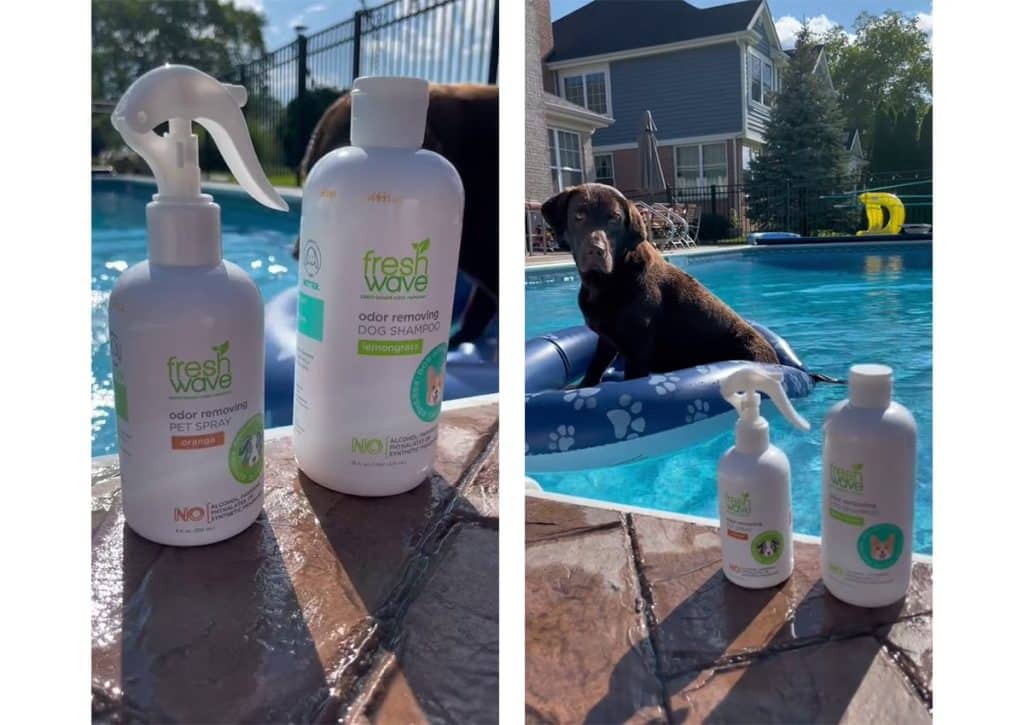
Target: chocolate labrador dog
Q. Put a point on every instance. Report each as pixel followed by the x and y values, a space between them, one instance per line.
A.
pixel 462 126
pixel 655 315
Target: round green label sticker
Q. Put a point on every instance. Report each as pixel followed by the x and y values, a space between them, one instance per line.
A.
pixel 766 548
pixel 427 389
pixel 880 546
pixel 245 458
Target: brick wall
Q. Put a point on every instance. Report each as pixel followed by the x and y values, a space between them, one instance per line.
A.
pixel 538 174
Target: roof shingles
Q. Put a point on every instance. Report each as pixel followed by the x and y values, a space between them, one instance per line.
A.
pixel 609 26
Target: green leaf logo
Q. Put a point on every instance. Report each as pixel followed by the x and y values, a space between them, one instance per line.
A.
pixel 222 349
pixel 421 247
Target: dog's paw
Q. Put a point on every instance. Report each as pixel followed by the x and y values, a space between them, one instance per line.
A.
pixel 697 410
pixel 626 419
pixel 562 438
pixel 582 398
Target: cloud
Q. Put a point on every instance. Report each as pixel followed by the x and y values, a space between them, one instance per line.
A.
pixel 788 27
pixel 924 22
pixel 256 5
pixel 300 19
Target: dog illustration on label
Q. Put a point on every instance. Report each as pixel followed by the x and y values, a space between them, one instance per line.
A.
pixel 251 451
pixel 435 385
pixel 768 547
pixel 882 549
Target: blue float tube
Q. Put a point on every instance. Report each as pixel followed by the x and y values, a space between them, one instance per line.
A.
pixel 762 237
pixel 619 421
pixel 470 370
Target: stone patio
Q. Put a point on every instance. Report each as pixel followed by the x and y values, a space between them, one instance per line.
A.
pixel 629 619
pixel 329 608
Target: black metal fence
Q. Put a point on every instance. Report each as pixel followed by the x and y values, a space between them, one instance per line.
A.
pixel 732 211
pixel 445 41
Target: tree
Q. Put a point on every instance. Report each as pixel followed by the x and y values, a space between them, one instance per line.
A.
pixel 888 61
pixel 300 118
pixel 130 37
pixel 804 155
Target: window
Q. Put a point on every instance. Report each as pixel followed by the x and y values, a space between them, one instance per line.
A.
pixel 589 90
pixel 762 78
pixel 604 169
pixel 565 153
pixel 701 165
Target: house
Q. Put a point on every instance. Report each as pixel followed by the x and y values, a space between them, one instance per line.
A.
pixel 559 151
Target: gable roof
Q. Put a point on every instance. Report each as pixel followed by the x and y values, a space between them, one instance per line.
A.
pixel 609 26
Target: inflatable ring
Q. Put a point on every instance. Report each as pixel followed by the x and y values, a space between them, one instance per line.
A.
pixel 624 421
pixel 471 369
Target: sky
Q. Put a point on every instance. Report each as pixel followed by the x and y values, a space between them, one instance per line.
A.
pixel 282 15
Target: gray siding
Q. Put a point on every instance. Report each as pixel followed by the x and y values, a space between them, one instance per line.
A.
pixel 689 92
pixel 762 38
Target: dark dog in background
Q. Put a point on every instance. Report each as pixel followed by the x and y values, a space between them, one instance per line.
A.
pixel 655 315
pixel 462 126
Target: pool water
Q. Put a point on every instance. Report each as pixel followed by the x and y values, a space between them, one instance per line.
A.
pixel 835 306
pixel 256 238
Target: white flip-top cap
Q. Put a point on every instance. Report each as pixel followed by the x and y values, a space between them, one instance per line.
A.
pixel 870 386
pixel 389 111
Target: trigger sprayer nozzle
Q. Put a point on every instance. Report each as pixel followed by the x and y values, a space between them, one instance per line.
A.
pixel 183 223
pixel 741 391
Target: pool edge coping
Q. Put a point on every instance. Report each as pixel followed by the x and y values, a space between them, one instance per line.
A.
pixel 742 248
pixel 669 515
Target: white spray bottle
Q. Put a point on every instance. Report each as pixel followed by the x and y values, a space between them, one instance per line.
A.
pixel 754 497
pixel 186 326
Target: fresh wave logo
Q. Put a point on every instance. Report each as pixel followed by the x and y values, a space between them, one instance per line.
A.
pixel 738 504
pixel 397 275
pixel 195 377
pixel 850 480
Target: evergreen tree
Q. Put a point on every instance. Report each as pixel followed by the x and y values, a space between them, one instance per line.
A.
pixel 804 157
pixel 883 132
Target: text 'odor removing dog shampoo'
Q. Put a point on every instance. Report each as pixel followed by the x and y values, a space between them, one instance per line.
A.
pixel 868 480
pixel 186 326
pixel 378 257
pixel 754 496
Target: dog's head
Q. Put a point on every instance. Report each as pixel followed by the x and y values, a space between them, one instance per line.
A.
pixel 597 223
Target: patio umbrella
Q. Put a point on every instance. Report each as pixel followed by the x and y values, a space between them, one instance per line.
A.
pixel 652 178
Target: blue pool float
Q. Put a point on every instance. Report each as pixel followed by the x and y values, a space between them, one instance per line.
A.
pixel 624 421
pixel 471 369
pixel 756 238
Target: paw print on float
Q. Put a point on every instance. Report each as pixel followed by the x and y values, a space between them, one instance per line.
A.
pixel 697 410
pixel 626 419
pixel 562 438
pixel 582 398
pixel 664 384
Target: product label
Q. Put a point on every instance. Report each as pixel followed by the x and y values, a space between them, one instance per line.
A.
pixel 753 542
pixel 370 364
pixel 191 446
pixel 863 498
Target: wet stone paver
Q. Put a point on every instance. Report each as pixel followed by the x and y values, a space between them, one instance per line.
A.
pixel 329 608
pixel 629 619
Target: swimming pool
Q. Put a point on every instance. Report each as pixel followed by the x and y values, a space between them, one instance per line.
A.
pixel 254 237
pixel 835 305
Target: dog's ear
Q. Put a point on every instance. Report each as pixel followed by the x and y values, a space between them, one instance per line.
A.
pixel 555 209
pixel 636 228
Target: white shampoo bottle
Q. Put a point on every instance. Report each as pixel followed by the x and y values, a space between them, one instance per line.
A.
pixel 867 483
pixel 186 326
pixel 379 249
pixel 754 497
